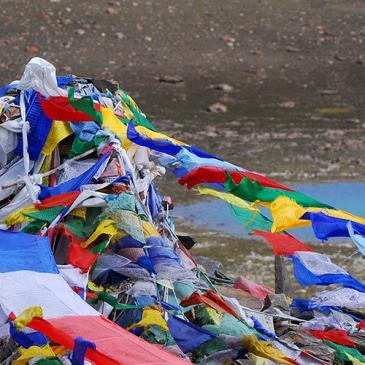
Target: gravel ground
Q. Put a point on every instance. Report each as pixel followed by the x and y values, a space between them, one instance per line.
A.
pixel 294 108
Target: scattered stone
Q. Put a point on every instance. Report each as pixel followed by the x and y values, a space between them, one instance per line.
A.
pixel 333 110
pixel 354 120
pixel 287 104
pixel 111 11
pixel 171 79
pixel 217 108
pixel 228 38
pixel 119 35
pixel 223 87
pixel 256 51
pixel 328 92
pixel 340 58
pixel 32 49
pixel 66 69
pixel 80 31
pixel 212 131
pixel 277 301
pixel 291 49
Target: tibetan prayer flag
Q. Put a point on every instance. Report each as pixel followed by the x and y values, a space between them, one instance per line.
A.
pixel 86 105
pixel 256 290
pixel 251 220
pixel 40 126
pixel 361 325
pixel 340 297
pixel 312 268
pixel 165 145
pixel 114 345
pixel 211 299
pixel 63 199
pixel 325 226
pixel 188 336
pixel 282 244
pixel 161 145
pixel 75 183
pixel 289 214
pixel 59 108
pixel 254 191
pixel 81 257
pixel 337 336
pixel 346 353
pixel 138 117
pixel 229 198
pixel 218 175
pixel 29 277
pixel 357 239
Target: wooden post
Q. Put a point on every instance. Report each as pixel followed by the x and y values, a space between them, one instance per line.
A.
pixel 282 281
pixel 279 275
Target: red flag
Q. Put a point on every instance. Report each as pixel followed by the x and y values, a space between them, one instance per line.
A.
pixel 361 325
pixel 256 290
pixel 60 108
pixel 337 336
pixel 81 257
pixel 282 244
pixel 63 200
pixel 206 174
pixel 107 337
pixel 211 299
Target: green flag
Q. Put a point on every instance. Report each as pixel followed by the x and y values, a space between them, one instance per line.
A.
pixel 253 191
pixel 85 105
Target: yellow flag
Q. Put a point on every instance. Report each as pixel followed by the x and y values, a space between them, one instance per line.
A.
pixel 286 214
pixel 105 227
pixel 79 213
pixel 257 360
pixel 264 349
pixel 27 316
pixel 149 229
pixel 58 132
pixel 228 197
pixel 31 352
pixel 19 216
pixel 354 360
pixel 112 122
pixel 150 316
pixel 156 135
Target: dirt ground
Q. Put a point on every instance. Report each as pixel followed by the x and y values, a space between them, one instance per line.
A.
pixel 296 110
